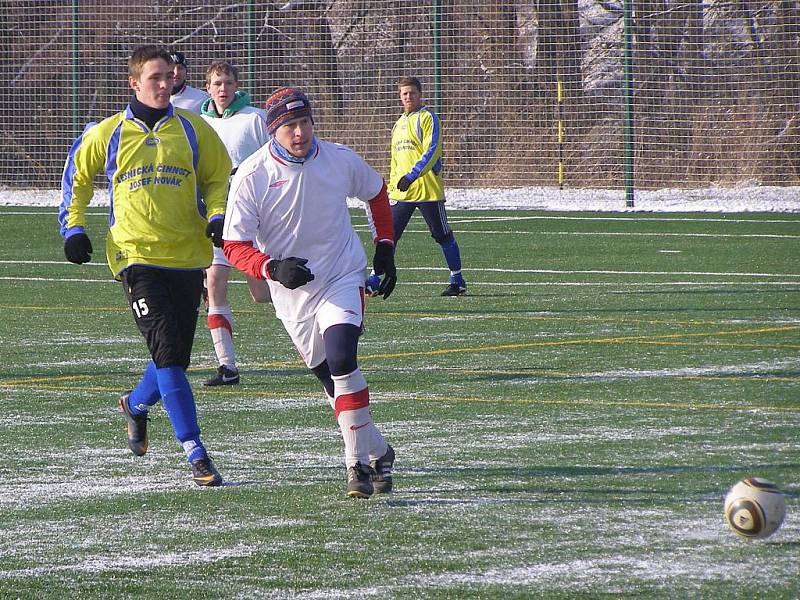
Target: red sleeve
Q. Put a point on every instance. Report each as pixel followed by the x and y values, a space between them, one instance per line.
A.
pixel 382 217
pixel 245 257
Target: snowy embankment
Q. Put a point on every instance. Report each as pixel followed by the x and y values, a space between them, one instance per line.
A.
pixel 737 199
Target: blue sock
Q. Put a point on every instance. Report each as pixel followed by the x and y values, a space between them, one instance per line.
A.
pixel 453 258
pixel 179 404
pixel 146 393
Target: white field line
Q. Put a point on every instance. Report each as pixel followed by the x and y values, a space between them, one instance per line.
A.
pixel 621 284
pixel 453 217
pixel 755 370
pixel 605 233
pixel 471 270
pixel 609 272
pixel 457 219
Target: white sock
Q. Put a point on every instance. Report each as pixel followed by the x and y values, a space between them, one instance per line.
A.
pixel 220 323
pixel 355 426
pixel 355 421
pixel 378 445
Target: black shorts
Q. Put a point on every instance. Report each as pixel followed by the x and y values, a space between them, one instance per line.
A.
pixel 164 303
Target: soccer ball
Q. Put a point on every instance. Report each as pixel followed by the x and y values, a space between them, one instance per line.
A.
pixel 754 508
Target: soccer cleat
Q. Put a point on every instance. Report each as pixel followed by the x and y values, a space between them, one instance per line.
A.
pixel 204 473
pixel 455 289
pixel 137 426
pixel 224 376
pixel 359 481
pixel 382 472
pixel 372 285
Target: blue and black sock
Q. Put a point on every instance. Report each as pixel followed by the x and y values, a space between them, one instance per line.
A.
pixel 452 257
pixel 146 393
pixel 179 404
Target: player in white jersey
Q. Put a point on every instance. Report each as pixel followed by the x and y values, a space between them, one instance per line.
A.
pixel 287 222
pixel 183 95
pixel 243 130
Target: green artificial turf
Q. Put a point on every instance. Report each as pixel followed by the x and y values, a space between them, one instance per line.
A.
pixel 568 429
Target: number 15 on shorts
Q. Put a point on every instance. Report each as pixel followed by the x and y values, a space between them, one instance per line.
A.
pixel 140 308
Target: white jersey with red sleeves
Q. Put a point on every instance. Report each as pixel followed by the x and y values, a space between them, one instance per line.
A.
pixel 243 132
pixel 300 209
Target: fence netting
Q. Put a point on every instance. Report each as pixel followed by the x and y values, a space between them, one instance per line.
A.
pixel 522 88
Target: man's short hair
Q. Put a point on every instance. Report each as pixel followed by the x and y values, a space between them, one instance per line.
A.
pixel 405 80
pixel 144 54
pixel 221 66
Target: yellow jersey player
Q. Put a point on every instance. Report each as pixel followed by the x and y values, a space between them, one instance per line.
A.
pixel 415 181
pixel 168 179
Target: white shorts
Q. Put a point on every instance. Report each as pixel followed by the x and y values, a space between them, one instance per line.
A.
pixel 219 258
pixel 343 305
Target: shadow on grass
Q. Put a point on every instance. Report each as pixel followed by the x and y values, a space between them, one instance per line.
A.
pixel 247 483
pixel 573 482
pixel 552 472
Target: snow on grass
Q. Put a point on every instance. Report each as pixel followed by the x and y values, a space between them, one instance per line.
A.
pixel 741 198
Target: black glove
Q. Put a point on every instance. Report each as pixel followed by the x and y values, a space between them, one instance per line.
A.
pixel 404 183
pixel 383 264
pixel 292 272
pixel 78 248
pixel 214 231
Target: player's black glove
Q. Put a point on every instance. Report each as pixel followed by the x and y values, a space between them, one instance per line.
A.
pixel 214 231
pixel 292 272
pixel 404 183
pixel 383 264
pixel 78 248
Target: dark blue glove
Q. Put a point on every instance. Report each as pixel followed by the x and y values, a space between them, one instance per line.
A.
pixel 292 272
pixel 404 183
pixel 214 230
pixel 383 264
pixel 78 248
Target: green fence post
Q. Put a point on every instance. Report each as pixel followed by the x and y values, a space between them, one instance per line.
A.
pixel 75 46
pixel 437 56
pixel 628 158
pixel 251 75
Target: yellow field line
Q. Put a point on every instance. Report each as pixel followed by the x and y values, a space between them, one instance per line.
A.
pixel 48 379
pixel 420 315
pixel 634 403
pixel 578 342
pixel 479 400
pixel 728 345
pixel 578 375
pixel 658 339
pixel 37 382
pixel 84 309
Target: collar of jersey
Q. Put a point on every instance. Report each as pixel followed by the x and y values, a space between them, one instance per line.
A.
pixel 240 100
pixel 132 117
pixel 419 110
pixel 283 153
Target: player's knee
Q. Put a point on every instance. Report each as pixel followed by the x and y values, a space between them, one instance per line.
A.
pixel 167 357
pixel 341 343
pixel 443 240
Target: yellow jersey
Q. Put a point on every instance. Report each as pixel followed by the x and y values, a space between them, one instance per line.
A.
pixel 164 185
pixel 417 155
